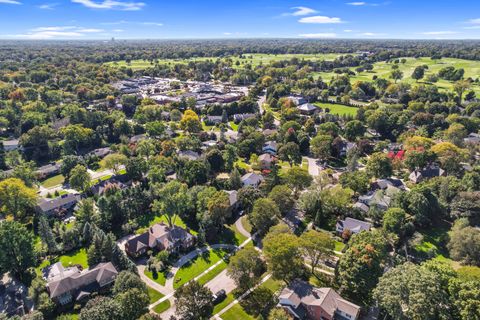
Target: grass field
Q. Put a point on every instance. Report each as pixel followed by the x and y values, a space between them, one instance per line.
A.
pixel 383 70
pixel 164 306
pixel 197 266
pixel 338 108
pixel 154 295
pixel 53 181
pixel 254 59
pixel 158 277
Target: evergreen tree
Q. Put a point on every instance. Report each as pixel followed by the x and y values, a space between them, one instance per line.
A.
pixel 46 234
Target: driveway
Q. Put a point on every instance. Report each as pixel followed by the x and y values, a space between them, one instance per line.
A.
pixel 221 281
pixel 313 168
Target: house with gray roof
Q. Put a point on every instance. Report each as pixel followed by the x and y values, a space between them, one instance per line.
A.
pixel 160 237
pixel 48 170
pixel 252 179
pixel 57 205
pixel 302 301
pixel 427 173
pixel 11 145
pixel 71 285
pixel 307 109
pixel 354 225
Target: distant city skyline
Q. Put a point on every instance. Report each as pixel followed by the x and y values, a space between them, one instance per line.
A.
pixel 189 19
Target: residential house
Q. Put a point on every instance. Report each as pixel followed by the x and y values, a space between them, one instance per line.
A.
pixel 354 225
pixel 160 237
pixel 266 160
pixel 213 120
pixel 473 138
pixel 302 301
pixel 59 205
pixel 237 118
pixel 252 179
pixel 100 152
pixel 298 100
pixel 379 199
pixel 233 198
pixel 137 138
pixel 270 147
pixel 48 170
pixel 71 285
pixel 427 173
pixel 189 155
pixel 308 109
pixel 101 187
pixel 383 184
pixel 11 145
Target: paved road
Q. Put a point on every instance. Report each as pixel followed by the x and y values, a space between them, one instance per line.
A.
pixel 313 168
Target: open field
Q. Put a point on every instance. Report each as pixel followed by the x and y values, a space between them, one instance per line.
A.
pixel 383 70
pixel 338 108
pixel 254 59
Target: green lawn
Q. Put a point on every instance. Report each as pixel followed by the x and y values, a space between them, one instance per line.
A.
pixel 338 108
pixel 197 266
pixel 212 273
pixel 53 181
pixel 154 294
pixel 219 307
pixel 246 224
pixel 67 260
pixel 76 257
pixel 233 125
pixel 253 59
pixel 164 306
pixel 383 70
pixel 339 246
pixel 238 313
pixel 157 277
pixel 149 220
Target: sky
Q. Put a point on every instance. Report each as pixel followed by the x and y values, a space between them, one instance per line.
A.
pixel 197 19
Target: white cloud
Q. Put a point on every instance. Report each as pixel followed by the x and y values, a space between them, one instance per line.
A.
pixel 48 6
pixel 118 30
pixel 318 35
pixel 474 21
pixel 303 11
pixel 157 24
pixel 111 4
pixel 10 2
pixel 320 20
pixel 56 32
pixel 372 34
pixel 359 3
pixel 438 33
pixel 59 28
pixel 348 30
pixel 227 33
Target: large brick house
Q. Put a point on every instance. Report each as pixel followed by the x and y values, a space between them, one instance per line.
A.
pixel 160 237
pixel 302 301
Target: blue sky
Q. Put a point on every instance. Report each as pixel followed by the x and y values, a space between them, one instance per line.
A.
pixel 186 19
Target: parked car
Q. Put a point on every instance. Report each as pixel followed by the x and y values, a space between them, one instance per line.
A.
pixel 219 296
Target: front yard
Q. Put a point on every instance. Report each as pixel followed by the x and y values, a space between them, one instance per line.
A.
pixel 198 265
